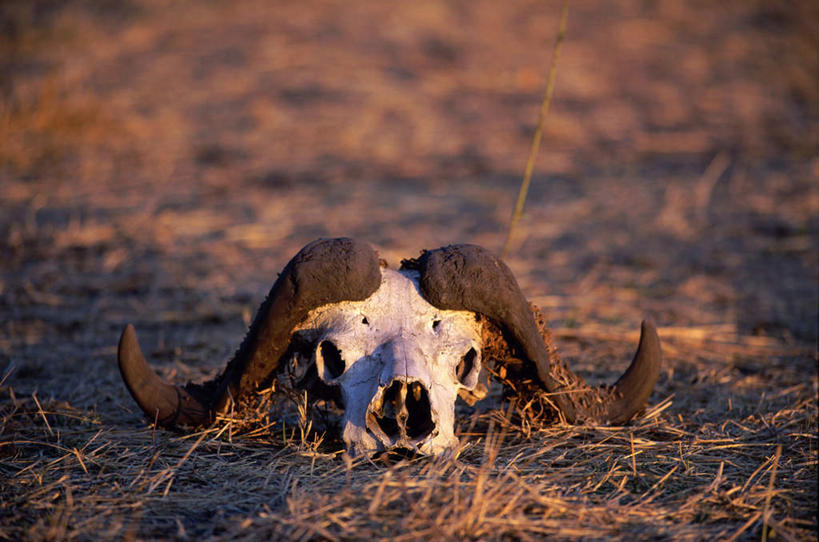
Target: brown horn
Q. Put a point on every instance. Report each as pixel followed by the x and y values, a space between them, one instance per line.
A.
pixel 168 405
pixel 632 390
pixel 325 271
pixel 469 277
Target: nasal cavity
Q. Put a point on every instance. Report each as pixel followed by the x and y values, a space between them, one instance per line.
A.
pixel 405 411
pixel 331 356
pixel 392 407
pixel 419 420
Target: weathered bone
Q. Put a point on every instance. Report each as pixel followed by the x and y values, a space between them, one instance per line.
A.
pixel 396 359
pixel 398 345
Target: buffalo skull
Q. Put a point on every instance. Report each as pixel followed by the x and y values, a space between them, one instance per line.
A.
pixel 394 348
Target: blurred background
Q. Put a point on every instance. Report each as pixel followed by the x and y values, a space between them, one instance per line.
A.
pixel 161 161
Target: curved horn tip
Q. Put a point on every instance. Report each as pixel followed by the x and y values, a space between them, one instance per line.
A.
pixel 169 405
pixel 635 386
pixel 648 324
pixel 650 342
pixel 129 355
pixel 128 336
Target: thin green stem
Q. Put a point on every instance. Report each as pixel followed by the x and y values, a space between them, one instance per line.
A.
pixel 544 110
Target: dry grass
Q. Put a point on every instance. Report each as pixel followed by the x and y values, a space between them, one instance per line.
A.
pixel 160 163
pixel 708 474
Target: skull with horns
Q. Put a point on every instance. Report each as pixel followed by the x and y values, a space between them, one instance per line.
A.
pixel 394 348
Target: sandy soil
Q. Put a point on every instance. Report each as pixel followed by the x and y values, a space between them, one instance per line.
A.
pixel 159 164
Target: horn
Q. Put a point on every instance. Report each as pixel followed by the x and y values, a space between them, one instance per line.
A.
pixel 469 277
pixel 632 390
pixel 169 405
pixel 323 272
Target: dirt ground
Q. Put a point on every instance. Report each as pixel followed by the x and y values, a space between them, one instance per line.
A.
pixel 160 163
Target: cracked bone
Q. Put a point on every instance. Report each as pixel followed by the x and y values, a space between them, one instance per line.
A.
pixel 400 364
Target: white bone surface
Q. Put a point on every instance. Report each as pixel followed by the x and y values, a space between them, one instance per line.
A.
pixel 395 336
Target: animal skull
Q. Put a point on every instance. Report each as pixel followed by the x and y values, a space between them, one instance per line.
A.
pixel 400 363
pixel 399 346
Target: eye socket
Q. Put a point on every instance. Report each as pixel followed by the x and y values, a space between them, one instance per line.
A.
pixel 435 324
pixel 333 362
pixel 466 365
pixel 365 321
